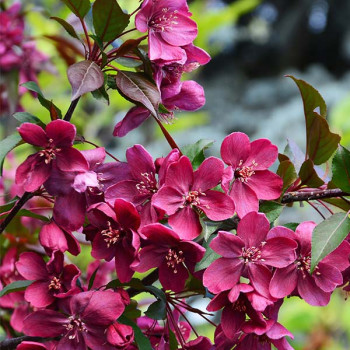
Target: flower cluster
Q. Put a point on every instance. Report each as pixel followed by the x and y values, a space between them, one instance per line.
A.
pixel 192 223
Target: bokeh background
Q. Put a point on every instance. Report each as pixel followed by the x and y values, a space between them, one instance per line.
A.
pixel 253 44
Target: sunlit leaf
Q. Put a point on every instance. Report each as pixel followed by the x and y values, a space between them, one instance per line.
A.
pixel 328 235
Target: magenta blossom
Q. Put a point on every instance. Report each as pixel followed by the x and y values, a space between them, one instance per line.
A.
pixel 173 256
pixel 315 288
pixel 113 232
pixel 56 141
pixel 250 254
pixel 85 326
pixel 247 179
pixel 187 193
pixel 52 280
pixel 169 27
pixel 143 183
pixel 120 335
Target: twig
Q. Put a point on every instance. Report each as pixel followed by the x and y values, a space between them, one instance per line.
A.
pixel 26 196
pixel 71 109
pixel 301 196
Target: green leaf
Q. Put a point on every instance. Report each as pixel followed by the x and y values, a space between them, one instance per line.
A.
pixel 131 311
pixel 320 142
pixel 286 171
pixel 128 62
pixel 338 202
pixel 134 283
pixel 79 7
pixel 25 117
pixel 341 169
pixel 92 278
pixel 109 19
pixel 172 340
pixel 111 82
pixel 30 214
pixel 308 175
pixel 328 235
pixel 33 86
pixel 291 225
pixel 141 340
pixel 271 209
pixel 7 145
pixel 195 152
pixel 209 228
pixel 16 286
pixel 208 257
pixel 159 294
pixel 157 310
pixel 312 99
pixel 9 205
pixel 68 27
pixel 137 88
pixel 101 94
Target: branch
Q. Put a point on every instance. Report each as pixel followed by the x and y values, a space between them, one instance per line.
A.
pixel 301 196
pixel 11 344
pixel 26 196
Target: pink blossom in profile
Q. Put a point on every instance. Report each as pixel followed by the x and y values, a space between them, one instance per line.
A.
pixel 251 253
pixel 56 142
pixel 315 288
pixel 169 27
pixel 247 179
pixel 187 193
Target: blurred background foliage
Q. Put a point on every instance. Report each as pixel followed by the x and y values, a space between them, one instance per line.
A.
pixel 253 44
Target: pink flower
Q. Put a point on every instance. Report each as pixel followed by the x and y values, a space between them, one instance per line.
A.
pixel 89 316
pixel 52 280
pixel 169 27
pixel 56 141
pixel 315 288
pixel 247 179
pixel 143 182
pixel 173 256
pixel 250 254
pixel 187 193
pixel 114 235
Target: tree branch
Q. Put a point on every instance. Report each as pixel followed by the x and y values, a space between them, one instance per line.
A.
pixel 301 196
pixel 11 344
pixel 26 196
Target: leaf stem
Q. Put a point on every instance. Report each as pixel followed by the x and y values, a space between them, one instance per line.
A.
pixel 71 109
pixel 86 36
pixel 166 134
pixel 26 196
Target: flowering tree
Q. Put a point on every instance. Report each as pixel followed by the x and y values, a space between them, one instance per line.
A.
pixel 176 227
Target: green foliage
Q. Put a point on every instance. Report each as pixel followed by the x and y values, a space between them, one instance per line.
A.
pixel 195 152
pixel 16 286
pixel 320 142
pixel 157 310
pixel 79 7
pixel 109 19
pixel 308 175
pixel 208 257
pixel 271 209
pixel 7 145
pixel 286 171
pixel 341 169
pixel 328 235
pixel 68 27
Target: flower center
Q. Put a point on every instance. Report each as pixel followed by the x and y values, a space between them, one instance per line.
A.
pixel 112 235
pixel 148 184
pixel 174 258
pixel 244 173
pixel 49 153
pixel 251 255
pixel 74 326
pixel 304 265
pixel 55 283
pixel 239 306
pixel 163 20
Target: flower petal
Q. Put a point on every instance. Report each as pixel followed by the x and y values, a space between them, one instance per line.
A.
pixel 283 281
pixel 32 267
pixel 265 184
pixel 227 244
pixel 61 132
pixel 208 175
pixel 235 148
pixel 33 134
pixel 262 154
pixel 244 198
